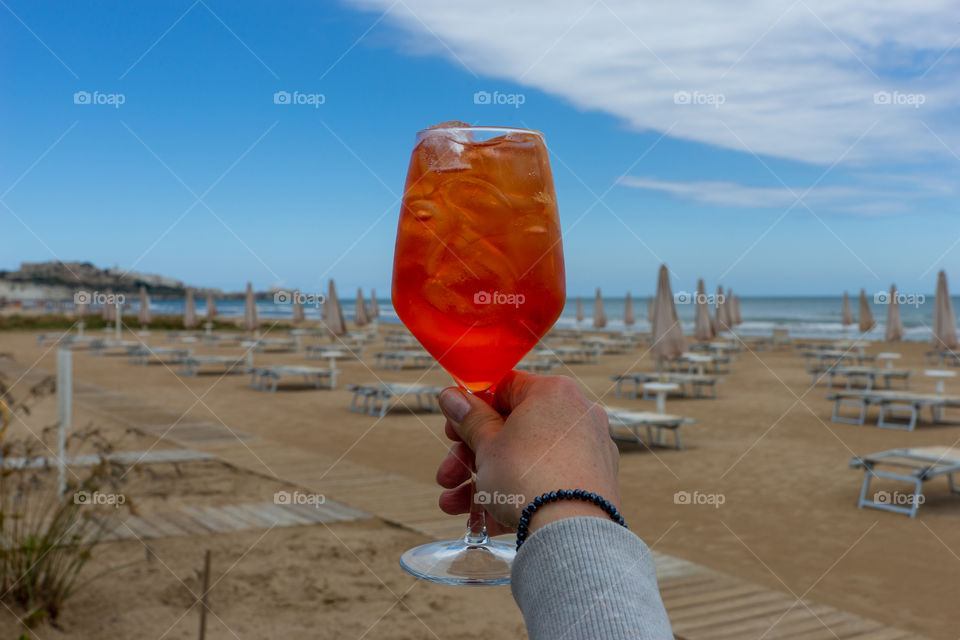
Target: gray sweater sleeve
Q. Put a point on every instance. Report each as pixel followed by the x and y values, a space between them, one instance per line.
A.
pixel 588 578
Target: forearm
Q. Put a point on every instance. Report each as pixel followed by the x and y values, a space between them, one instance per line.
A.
pixel 588 577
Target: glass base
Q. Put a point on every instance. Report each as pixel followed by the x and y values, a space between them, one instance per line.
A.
pixel 458 562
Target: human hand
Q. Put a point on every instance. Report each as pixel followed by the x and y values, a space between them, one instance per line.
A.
pixel 551 438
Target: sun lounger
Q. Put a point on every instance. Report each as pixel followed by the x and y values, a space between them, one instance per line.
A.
pixel 178 336
pixel 868 377
pixel 898 409
pixel 633 421
pixel 541 366
pixel 402 340
pixel 697 383
pixel 143 354
pixel 717 364
pixel 570 355
pixel 320 352
pixel 190 365
pixel 272 345
pixel 941 358
pixel 374 398
pixel 608 345
pixel 914 466
pixel 99 346
pixel 126 458
pixel 223 339
pixel 781 338
pixel 268 378
pixel 399 359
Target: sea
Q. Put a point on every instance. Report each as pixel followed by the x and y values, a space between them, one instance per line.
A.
pixel 804 317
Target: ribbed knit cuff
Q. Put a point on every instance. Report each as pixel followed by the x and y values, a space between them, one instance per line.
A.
pixel 588 578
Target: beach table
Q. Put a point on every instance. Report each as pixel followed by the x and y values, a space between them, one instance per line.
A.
pixel 898 409
pixel 697 383
pixel 690 363
pixel 865 376
pixel 633 421
pixel 271 345
pixel 362 337
pixel 178 336
pixel 268 378
pixel 914 466
pixel 398 359
pixel 940 375
pixel 661 389
pixel 191 364
pixel 374 397
pixel 144 354
pixel 888 358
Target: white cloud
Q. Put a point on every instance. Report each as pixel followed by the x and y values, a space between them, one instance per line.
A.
pixel 856 199
pixel 797 77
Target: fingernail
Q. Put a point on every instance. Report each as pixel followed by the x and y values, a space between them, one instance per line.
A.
pixel 454 405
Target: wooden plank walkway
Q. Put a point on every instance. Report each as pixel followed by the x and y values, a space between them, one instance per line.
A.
pixel 190 520
pixel 702 604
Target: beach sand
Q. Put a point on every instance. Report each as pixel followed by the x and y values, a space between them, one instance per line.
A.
pixel 788 520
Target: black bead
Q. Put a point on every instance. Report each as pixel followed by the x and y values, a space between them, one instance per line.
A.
pixel 621 521
pixel 568 494
pixel 525 513
pixel 596 499
pixel 590 497
pixel 578 494
pixel 521 527
pixel 537 503
pixel 553 496
pixel 524 520
pixel 521 535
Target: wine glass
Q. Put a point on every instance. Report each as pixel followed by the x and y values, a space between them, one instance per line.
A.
pixel 478 279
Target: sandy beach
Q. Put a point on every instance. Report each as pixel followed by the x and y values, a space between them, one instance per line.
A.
pixel 788 518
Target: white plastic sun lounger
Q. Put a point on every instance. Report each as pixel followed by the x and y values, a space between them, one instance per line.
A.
pixel 399 359
pixel 914 466
pixel 631 422
pixel 898 409
pixel 268 378
pixel 143 355
pixel 190 366
pixel 868 377
pixel 273 345
pixel 697 383
pixel 374 397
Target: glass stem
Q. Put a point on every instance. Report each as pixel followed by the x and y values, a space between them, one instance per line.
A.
pixel 477 522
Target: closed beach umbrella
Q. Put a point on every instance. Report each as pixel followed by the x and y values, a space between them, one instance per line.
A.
pixel 628 318
pixel 722 323
pixel 189 311
pixel 144 316
pixel 360 316
pixel 250 321
pixel 374 307
pixel 848 318
pixel 668 342
pixel 298 314
pixel 650 307
pixel 579 311
pixel 211 307
pixel 599 315
pixel 894 330
pixel 703 326
pixel 866 316
pixel 332 313
pixel 944 322
pixel 735 309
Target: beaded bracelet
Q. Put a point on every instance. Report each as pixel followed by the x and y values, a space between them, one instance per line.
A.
pixel 564 494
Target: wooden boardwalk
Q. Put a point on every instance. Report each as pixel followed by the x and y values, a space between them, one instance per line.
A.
pixel 702 604
pixel 240 517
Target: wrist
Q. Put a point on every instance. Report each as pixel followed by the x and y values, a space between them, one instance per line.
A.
pixel 562 504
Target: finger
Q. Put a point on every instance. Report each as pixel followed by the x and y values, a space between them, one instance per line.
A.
pixel 471 418
pixel 456 501
pixel 513 388
pixel 448 429
pixel 456 468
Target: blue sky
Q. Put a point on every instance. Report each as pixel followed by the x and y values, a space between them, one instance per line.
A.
pixel 677 138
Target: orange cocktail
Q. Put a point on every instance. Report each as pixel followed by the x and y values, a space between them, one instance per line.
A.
pixel 478 270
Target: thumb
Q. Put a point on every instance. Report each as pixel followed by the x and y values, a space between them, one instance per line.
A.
pixel 472 418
